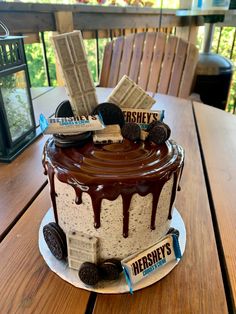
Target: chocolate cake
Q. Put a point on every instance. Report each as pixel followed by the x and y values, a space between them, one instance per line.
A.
pixel 120 194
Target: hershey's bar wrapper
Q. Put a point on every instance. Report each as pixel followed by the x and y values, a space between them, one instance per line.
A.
pixel 70 125
pixel 143 264
pixel 142 117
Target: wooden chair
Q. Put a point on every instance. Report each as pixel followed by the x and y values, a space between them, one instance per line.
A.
pixel 155 61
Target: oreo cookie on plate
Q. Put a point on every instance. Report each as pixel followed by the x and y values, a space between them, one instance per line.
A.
pixel 55 239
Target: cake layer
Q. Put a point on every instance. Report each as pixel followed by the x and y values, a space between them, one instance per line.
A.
pixel 112 244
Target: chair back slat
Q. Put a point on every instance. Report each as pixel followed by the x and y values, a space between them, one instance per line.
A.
pixel 178 66
pixel 137 56
pixel 157 58
pixel 167 65
pixel 145 65
pixel 189 71
pixel 106 64
pixel 156 61
pixel 115 61
pixel 126 56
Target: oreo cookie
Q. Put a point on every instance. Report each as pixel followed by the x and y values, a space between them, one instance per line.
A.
pixel 89 274
pixel 131 131
pixel 159 132
pixel 55 239
pixel 159 123
pixel 157 135
pixel 64 141
pixel 117 262
pixel 110 113
pixel 109 270
pixel 64 110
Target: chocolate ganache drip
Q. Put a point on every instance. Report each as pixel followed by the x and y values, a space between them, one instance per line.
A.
pixel 107 171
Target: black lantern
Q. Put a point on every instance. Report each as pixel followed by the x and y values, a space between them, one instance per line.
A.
pixel 17 122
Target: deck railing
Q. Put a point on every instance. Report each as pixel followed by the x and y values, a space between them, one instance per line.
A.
pixel 96 22
pixel 99 23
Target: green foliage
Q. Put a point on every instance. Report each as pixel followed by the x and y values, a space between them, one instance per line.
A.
pixel 90 47
pixel 16 104
pixel 91 50
pixel 35 61
pixel 35 64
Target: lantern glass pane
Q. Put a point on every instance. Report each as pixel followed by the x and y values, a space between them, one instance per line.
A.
pixel 16 102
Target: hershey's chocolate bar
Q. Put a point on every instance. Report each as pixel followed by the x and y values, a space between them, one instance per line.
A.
pixel 143 264
pixel 142 117
pixel 70 125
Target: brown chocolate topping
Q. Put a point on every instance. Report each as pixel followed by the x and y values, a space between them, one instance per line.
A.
pixel 107 171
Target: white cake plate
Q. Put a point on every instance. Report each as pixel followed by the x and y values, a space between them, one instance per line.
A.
pixel 116 286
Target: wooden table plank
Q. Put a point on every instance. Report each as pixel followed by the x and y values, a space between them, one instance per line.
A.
pixel 217 131
pixel 24 176
pixel 195 285
pixel 27 284
pixel 20 181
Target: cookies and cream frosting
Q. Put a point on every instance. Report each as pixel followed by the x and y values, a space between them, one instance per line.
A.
pixel 106 172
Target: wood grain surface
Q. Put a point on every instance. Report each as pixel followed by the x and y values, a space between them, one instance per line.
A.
pixel 20 182
pixel 217 131
pixel 106 64
pixel 178 66
pixel 23 178
pixel 136 57
pixel 156 62
pixel 195 285
pixel 155 69
pixel 166 68
pixel 27 284
pixel 145 66
pixel 115 62
pixel 126 57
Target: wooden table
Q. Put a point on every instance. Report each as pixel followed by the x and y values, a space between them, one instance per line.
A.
pixel 205 279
